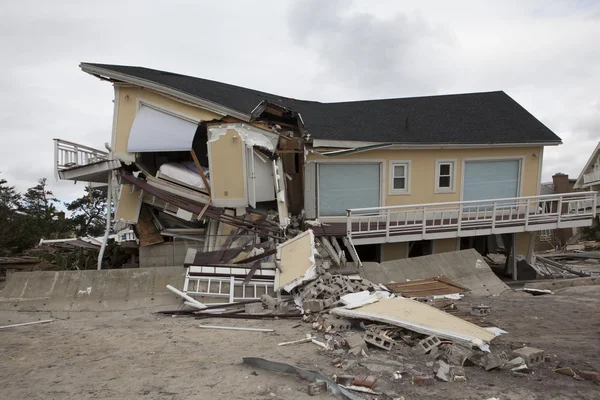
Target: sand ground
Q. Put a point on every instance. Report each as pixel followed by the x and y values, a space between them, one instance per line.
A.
pixel 162 357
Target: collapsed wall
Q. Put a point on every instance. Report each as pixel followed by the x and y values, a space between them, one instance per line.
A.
pixel 465 267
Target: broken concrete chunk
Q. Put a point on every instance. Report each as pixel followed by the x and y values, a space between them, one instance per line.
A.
pixel 531 355
pixel 313 305
pixel 515 364
pixel 253 308
pixel 443 371
pixel 378 339
pixel 481 310
pixel 354 340
pixel 425 345
pixel 336 324
pixel 316 388
pixel 423 380
pixel 269 301
pixel 458 374
pixel 457 355
pixel 489 361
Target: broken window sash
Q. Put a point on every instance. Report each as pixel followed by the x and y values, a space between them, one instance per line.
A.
pixel 155 131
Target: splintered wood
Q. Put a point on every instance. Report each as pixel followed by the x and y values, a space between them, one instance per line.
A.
pixel 427 287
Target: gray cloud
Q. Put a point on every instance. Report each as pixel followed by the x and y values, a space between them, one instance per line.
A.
pixel 541 53
pixel 368 53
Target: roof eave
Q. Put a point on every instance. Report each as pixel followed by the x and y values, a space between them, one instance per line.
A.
pixel 201 102
pixel 395 145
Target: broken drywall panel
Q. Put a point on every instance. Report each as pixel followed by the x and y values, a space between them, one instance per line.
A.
pixel 249 134
pixel 129 204
pixel 421 318
pixel 297 261
pixel 359 299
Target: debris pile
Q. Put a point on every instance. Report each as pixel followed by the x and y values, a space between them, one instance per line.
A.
pixel 376 335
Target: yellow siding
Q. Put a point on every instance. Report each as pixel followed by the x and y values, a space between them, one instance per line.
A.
pixel 393 251
pixel 128 103
pixel 444 245
pixel 227 169
pixel 128 205
pixel 523 241
pixel 422 176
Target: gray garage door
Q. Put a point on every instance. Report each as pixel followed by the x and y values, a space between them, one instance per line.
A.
pixel 491 179
pixel 344 186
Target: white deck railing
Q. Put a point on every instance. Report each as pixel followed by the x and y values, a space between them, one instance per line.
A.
pixel 470 218
pixel 69 155
pixel 591 177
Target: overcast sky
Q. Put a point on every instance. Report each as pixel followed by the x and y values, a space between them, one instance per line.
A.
pixel 544 54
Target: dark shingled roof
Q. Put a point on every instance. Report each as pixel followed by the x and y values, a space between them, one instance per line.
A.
pixel 473 118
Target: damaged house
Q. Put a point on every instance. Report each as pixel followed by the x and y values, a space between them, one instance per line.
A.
pixel 217 173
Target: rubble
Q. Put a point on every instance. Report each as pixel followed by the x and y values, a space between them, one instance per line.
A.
pixel 316 388
pixel 379 339
pixel 350 316
pixel 531 355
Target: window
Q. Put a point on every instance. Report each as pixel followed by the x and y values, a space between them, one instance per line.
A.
pixel 399 177
pixel 444 176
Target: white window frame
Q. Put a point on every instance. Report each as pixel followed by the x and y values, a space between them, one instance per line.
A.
pixel 407 176
pixel 438 164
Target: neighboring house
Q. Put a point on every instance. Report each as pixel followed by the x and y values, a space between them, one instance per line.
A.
pixel 391 178
pixel 550 239
pixel 589 178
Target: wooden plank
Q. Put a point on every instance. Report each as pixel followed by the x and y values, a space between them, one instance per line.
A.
pixel 200 171
pixel 327 244
pixel 204 209
pixel 253 270
pixel 352 251
pixel 426 287
pixel 335 244
pixel 146 230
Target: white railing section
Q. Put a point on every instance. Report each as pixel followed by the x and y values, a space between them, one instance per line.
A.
pixel 68 155
pixel 470 218
pixel 591 177
pixel 229 288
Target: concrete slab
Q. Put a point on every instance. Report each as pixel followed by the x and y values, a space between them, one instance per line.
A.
pixel 92 292
pixel 465 267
